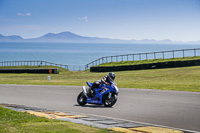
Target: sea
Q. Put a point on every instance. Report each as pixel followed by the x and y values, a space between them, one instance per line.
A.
pixel 77 55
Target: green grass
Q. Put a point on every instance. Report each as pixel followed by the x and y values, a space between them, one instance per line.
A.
pixel 182 79
pixel 147 61
pixel 18 122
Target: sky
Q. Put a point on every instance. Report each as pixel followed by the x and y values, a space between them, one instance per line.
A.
pixel 177 20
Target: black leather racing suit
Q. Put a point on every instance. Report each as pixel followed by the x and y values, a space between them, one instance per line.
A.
pixel 97 83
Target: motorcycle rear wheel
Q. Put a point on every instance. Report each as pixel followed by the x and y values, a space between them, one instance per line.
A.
pixel 109 102
pixel 81 99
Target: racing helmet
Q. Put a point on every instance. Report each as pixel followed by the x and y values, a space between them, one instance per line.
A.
pixel 111 75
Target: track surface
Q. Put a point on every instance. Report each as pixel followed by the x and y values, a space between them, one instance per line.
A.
pixel 168 108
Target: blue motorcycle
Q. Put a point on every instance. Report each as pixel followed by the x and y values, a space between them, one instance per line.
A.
pixel 105 94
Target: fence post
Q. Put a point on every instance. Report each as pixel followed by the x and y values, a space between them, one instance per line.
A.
pixel 154 55
pixel 194 52
pixel 133 57
pixel 183 53
pixel 146 57
pixel 140 56
pixel 103 60
pixel 163 55
pixel 173 54
pixel 127 57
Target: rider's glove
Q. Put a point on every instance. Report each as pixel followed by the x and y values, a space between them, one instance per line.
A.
pixel 107 84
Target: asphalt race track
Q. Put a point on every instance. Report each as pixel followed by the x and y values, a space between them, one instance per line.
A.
pixel 168 108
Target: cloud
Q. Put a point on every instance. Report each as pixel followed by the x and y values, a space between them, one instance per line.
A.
pixel 25 14
pixel 20 14
pixel 84 19
pixel 28 14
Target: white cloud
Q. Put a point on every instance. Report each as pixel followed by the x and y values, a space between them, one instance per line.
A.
pixel 28 14
pixel 84 19
pixel 20 14
pixel 25 14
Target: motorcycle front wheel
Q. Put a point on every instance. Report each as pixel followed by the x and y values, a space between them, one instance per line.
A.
pixel 109 102
pixel 81 99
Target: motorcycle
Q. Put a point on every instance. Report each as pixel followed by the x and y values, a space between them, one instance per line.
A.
pixel 106 94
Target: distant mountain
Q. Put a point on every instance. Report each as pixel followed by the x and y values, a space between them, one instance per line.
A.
pixel 12 38
pixel 68 37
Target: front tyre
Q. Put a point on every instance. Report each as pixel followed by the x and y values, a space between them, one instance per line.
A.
pixel 109 102
pixel 81 99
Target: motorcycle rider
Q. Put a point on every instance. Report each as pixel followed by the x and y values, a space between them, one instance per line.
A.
pixel 105 80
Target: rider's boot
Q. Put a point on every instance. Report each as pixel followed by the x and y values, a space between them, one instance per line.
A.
pixel 90 92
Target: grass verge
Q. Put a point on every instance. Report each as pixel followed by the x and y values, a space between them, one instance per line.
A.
pixel 15 122
pixel 181 79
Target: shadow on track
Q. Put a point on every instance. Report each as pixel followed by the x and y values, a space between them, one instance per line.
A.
pixel 92 106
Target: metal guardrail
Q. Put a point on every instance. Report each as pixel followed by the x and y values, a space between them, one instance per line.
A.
pixel 31 63
pixel 42 63
pixel 145 56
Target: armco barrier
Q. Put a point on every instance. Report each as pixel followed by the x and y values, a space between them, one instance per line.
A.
pixel 159 65
pixel 39 71
pixel 146 56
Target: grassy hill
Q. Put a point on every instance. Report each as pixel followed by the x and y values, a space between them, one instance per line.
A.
pixel 121 63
